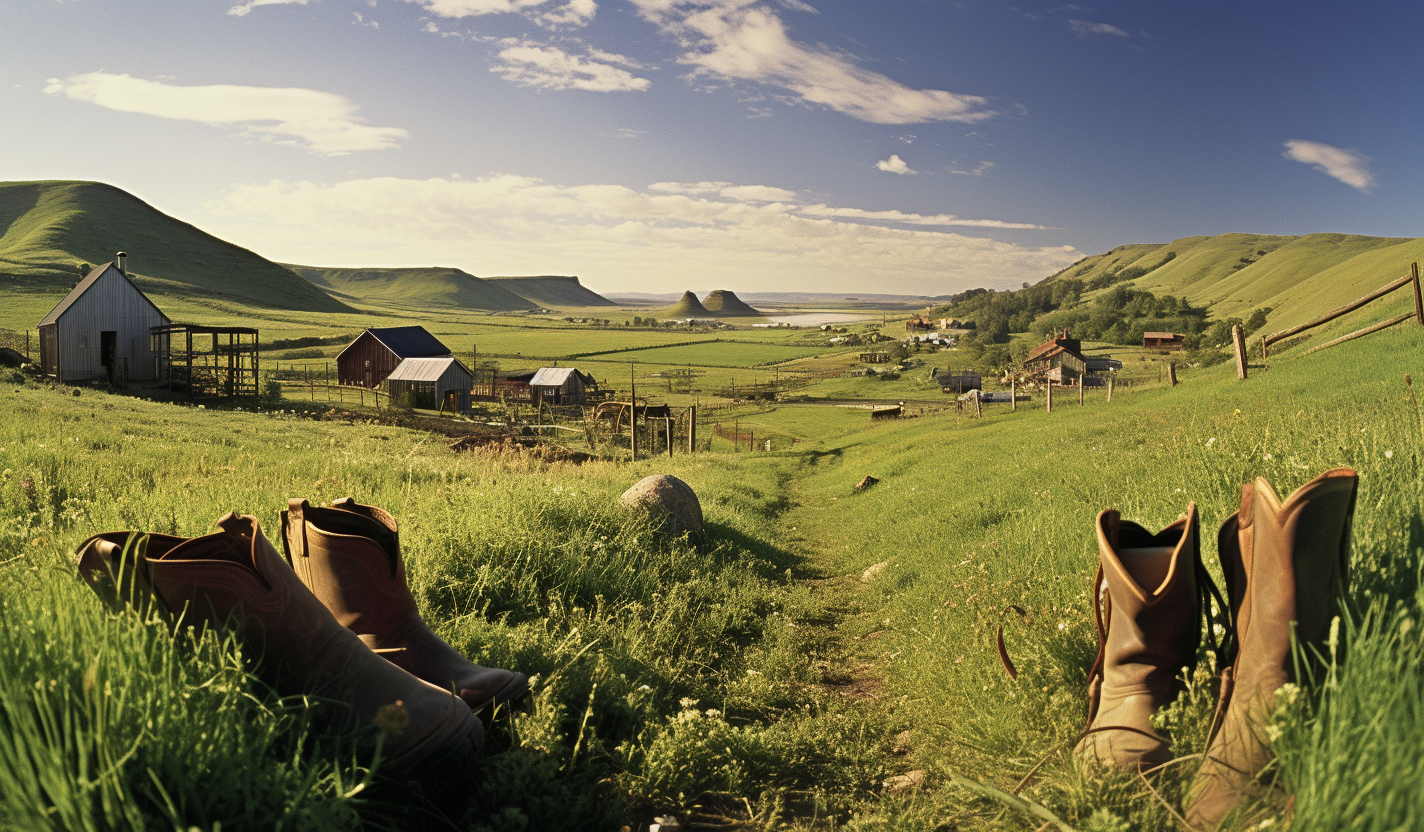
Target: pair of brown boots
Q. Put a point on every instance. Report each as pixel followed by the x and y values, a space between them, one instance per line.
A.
pixel 1286 567
pixel 336 620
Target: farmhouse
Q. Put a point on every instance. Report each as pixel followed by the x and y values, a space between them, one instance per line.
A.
pixel 431 382
pixel 375 353
pixel 918 324
pixel 876 357
pixel 101 329
pixel 1166 341
pixel 561 385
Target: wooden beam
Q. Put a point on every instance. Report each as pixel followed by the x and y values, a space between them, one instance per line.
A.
pixel 1366 331
pixel 1349 307
pixel 1413 274
pixel 1238 340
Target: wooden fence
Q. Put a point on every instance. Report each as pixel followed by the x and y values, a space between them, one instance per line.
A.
pixel 1411 279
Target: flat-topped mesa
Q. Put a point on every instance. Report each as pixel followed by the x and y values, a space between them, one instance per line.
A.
pixel 724 303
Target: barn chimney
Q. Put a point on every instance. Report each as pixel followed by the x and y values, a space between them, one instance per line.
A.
pixel 122 256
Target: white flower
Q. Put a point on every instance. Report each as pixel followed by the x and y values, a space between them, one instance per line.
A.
pixel 1389 454
pixel 1267 457
pixel 1211 441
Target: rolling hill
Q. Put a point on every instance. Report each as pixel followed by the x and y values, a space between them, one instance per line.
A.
pixel 552 290
pixel 418 287
pixel 686 307
pixel 724 303
pixel 1299 278
pixel 51 228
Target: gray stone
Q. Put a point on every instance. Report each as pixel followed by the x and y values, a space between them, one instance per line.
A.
pixel 667 499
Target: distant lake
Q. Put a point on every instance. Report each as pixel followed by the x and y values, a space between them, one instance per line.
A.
pixel 816 318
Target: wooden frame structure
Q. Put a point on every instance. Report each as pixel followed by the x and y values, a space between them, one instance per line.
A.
pixel 222 361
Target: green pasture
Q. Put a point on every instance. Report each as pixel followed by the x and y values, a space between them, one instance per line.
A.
pixel 725 353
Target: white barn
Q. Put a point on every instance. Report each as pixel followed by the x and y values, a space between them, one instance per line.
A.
pixel 427 381
pixel 101 330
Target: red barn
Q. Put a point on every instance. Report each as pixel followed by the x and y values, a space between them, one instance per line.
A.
pixel 376 353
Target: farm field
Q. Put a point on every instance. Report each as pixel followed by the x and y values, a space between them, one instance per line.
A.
pixel 762 676
pixel 726 353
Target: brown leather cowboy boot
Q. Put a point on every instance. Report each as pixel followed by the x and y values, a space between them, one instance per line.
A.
pixel 1147 635
pixel 1286 564
pixel 349 555
pixel 234 578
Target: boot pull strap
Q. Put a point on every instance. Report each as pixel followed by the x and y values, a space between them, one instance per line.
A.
pixel 295 513
pixel 1008 663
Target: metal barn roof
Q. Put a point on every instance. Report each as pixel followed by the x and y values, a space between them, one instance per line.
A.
pixel 552 376
pixel 409 341
pixel 84 286
pixel 424 369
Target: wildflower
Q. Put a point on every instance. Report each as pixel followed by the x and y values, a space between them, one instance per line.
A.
pixel 1267 457
pixel 1211 441
pixel 1389 454
pixel 392 719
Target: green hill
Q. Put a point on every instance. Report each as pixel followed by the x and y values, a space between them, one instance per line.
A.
pixel 552 290
pixel 1299 278
pixel 688 306
pixel 50 228
pixel 724 303
pixel 422 287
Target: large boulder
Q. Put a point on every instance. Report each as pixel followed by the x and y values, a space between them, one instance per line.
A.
pixel 668 500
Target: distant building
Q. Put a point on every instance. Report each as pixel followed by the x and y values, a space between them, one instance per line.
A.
pixel 376 353
pixel 1060 359
pixel 1166 341
pixel 918 324
pixel 877 357
pixel 431 382
pixel 961 382
pixel 561 385
pixel 101 330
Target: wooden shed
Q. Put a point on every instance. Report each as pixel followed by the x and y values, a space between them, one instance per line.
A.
pixel 100 330
pixel 561 385
pixel 375 353
pixel 430 382
pixel 1166 341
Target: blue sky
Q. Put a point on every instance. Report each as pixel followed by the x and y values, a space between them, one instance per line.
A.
pixel 913 146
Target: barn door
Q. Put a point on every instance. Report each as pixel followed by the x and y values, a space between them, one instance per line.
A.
pixel 108 346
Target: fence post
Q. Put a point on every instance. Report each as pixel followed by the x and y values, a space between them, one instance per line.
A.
pixel 1238 340
pixel 1413 272
pixel 1048 396
pixel 1110 387
pixel 633 416
pixel 1013 394
pixel 692 430
pixel 1080 389
pixel 1172 374
pixel 667 427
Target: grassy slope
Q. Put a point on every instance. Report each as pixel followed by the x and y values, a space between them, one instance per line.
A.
pixel 724 303
pixel 553 290
pixel 1298 277
pixel 417 287
pixel 52 226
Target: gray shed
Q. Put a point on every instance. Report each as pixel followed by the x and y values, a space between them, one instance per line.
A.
pixel 561 385
pixel 426 382
pixel 101 330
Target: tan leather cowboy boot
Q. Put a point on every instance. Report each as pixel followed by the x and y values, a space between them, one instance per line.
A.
pixel 1147 635
pixel 1286 563
pixel 234 578
pixel 349 555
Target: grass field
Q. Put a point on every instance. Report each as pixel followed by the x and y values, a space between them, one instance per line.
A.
pixel 756 677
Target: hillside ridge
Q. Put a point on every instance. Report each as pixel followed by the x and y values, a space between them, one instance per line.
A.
pixel 416 286
pixel 52 229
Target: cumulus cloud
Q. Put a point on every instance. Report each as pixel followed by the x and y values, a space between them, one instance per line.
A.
pixel 700 188
pixel 551 14
pixel 745 40
pixel 244 8
pixel 618 237
pixel 757 193
pixel 540 65
pixel 319 121
pixel 1349 166
pixel 1087 27
pixel 895 165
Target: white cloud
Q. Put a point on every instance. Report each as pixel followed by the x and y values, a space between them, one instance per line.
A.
pixel 320 121
pixel 1349 166
pixel 757 193
pixel 700 188
pixel 617 237
pixel 535 65
pixel 944 220
pixel 244 8
pixel 895 165
pixel 1087 27
pixel 979 169
pixel 743 40
pixel 552 14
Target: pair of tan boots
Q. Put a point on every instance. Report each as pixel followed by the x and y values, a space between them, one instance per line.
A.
pixel 335 620
pixel 1285 565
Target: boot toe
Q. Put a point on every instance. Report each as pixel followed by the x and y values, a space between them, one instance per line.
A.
pixel 493 687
